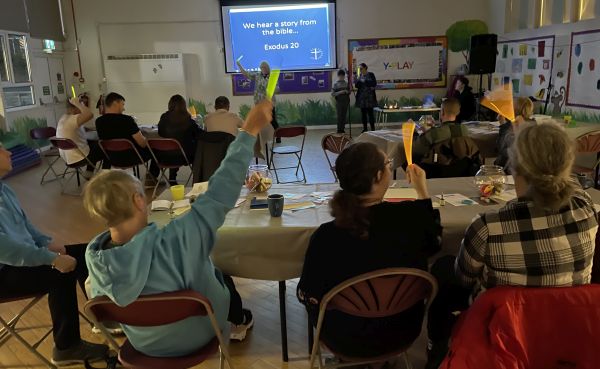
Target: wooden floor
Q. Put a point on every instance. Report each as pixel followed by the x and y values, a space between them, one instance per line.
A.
pixel 63 218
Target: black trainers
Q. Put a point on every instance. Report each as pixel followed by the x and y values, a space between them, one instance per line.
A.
pixel 238 331
pixel 78 353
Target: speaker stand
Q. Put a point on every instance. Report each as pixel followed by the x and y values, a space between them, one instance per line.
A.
pixel 479 96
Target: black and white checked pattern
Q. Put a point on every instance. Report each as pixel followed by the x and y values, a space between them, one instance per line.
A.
pixel 524 245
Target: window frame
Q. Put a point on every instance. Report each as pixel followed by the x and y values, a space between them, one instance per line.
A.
pixel 9 66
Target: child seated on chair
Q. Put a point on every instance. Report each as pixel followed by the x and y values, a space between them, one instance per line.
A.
pixel 135 258
pixel 449 129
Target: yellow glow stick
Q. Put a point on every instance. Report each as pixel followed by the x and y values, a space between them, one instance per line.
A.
pixel 73 91
pixel 408 129
pixel 500 100
pixel 192 111
pixel 273 78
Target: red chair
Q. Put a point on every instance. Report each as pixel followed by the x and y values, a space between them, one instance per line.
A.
pixel 335 143
pixel 587 144
pixel 288 132
pixel 534 328
pixel 66 144
pixel 122 154
pixel 376 294
pixel 40 136
pixel 154 310
pixel 168 154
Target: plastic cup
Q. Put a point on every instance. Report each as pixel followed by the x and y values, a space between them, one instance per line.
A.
pixel 177 192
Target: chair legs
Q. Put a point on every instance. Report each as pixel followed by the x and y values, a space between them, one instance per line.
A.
pixel 8 328
pixel 271 165
pixel 50 168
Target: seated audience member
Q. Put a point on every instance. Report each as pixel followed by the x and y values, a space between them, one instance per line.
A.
pixel 464 93
pixel 114 124
pixel 135 258
pixel 222 120
pixel 506 136
pixel 545 237
pixel 30 263
pixel 368 234
pixel 177 123
pixel 449 129
pixel 70 126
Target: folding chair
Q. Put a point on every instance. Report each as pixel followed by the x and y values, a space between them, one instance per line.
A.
pixel 154 310
pixel 376 294
pixel 587 144
pixel 66 144
pixel 9 328
pixel 288 132
pixel 335 143
pixel 52 155
pixel 165 152
pixel 122 154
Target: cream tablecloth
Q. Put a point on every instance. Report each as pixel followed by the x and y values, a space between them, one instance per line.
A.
pixel 251 244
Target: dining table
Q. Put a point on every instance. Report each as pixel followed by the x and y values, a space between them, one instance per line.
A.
pixel 251 244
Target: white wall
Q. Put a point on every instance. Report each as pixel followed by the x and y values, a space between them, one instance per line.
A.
pixel 192 27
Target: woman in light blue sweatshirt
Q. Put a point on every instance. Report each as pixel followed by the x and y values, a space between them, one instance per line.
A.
pixel 135 258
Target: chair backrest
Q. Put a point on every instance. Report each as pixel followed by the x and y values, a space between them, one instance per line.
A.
pixel 121 153
pixel 292 131
pixel 381 293
pixel 588 143
pixel 210 152
pixel 335 142
pixel 510 327
pixel 63 143
pixel 167 146
pixel 42 133
pixel 150 310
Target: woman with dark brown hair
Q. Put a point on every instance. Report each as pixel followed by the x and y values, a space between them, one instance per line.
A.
pixel 368 234
pixel 177 123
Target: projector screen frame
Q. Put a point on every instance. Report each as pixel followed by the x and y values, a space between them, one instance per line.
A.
pixel 334 48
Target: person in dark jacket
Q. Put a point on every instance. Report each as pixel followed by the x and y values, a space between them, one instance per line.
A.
pixel 366 99
pixel 464 93
pixel 178 124
pixel 368 234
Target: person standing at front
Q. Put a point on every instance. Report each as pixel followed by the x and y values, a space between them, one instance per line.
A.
pixel 341 93
pixel 366 99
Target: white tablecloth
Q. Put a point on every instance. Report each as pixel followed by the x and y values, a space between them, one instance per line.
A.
pixel 252 244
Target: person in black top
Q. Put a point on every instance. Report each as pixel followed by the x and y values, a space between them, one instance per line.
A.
pixel 178 124
pixel 368 234
pixel 114 124
pixel 366 99
pixel 464 93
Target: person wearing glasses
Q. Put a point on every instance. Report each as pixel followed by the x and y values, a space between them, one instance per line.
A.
pixel 368 234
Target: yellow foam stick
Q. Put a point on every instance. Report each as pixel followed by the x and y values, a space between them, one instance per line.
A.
pixel 273 78
pixel 192 111
pixel 408 129
pixel 73 91
pixel 500 100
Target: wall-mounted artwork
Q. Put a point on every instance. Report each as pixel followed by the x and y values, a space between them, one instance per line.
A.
pixel 583 87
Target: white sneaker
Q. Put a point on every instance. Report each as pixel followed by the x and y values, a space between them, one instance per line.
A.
pixel 238 332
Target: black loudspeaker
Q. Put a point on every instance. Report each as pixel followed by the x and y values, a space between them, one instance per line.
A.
pixel 482 54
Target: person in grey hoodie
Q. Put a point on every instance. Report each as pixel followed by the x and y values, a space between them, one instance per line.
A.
pixel 341 92
pixel 135 258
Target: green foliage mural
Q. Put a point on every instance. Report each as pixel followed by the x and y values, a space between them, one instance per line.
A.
pixel 459 34
pixel 199 106
pixel 582 116
pixel 322 112
pixel 21 127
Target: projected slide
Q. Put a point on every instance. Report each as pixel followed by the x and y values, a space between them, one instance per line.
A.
pixel 288 37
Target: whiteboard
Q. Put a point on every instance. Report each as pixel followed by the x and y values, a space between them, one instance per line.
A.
pixel 583 88
pixel 147 81
pixel 527 63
